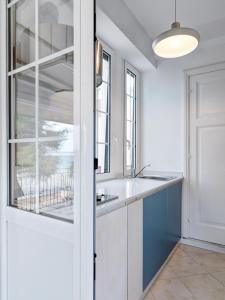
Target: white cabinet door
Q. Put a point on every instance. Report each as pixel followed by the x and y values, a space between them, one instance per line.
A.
pixel 135 250
pixel 111 249
pixel 207 160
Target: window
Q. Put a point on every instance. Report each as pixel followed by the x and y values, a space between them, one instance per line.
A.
pixel 40 81
pixel 130 120
pixel 103 117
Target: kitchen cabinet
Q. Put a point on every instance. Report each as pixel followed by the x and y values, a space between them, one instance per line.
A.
pixel 154 234
pixel 133 242
pixel 174 214
pixel 161 229
pixel 135 249
pixel 111 262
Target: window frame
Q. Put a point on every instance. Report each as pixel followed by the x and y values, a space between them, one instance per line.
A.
pixel 106 175
pixel 37 139
pixel 135 149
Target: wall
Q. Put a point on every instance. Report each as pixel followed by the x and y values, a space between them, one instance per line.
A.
pixel 162 107
pixel 126 22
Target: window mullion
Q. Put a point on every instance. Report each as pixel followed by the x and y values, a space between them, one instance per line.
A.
pixel 37 200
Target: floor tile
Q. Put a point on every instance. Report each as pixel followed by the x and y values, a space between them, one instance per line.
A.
pixel 180 253
pixel 167 273
pixel 193 251
pixel 204 287
pixel 211 262
pixel 191 274
pixel 149 296
pixel 186 267
pixel 220 276
pixel 170 289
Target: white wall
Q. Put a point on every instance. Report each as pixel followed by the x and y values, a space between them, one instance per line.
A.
pixel 163 94
pixel 122 17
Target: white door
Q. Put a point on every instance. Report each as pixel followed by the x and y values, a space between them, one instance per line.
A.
pixel 46 150
pixel 207 155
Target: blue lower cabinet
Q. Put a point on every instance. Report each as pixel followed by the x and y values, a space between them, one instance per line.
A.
pixel 174 214
pixel 161 229
pixel 154 234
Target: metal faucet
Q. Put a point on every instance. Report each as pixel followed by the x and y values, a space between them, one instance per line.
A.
pixel 133 172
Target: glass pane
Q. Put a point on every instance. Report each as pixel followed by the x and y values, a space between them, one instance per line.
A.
pixel 22 92
pixel 56 178
pixel 55 26
pixel 106 67
pixel 102 128
pixel 128 156
pixel 130 109
pixel 130 134
pixel 56 97
pixel 23 176
pixel 102 97
pixel 128 83
pixel 21 33
pixel 103 158
pixel 132 86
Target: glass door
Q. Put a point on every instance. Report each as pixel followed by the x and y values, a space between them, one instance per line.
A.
pixel 47 127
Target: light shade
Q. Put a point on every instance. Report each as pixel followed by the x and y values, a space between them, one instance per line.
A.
pixel 176 42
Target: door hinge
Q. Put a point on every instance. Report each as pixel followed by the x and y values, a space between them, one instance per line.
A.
pixel 95 163
pixel 95 256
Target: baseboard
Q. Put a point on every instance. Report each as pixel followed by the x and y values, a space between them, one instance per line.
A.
pixel 158 273
pixel 204 245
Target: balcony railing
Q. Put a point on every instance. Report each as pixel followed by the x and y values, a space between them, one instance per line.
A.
pixel 54 190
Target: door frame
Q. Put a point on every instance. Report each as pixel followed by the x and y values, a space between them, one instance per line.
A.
pixel 82 232
pixel 186 141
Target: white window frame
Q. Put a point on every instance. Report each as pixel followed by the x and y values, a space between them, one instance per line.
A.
pixel 107 114
pixel 110 175
pixel 136 164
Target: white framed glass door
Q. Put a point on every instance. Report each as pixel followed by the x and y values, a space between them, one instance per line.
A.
pixel 47 149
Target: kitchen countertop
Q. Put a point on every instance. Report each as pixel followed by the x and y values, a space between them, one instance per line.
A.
pixel 129 190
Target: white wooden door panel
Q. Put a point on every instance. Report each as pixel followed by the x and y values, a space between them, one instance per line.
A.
pixel 207 159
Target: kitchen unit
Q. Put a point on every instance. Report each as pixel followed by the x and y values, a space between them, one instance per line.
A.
pixel 135 235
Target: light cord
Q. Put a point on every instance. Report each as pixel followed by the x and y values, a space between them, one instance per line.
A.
pixel 175 10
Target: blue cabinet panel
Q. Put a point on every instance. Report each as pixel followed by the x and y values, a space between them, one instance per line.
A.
pixel 154 234
pixel 174 215
pixel 161 229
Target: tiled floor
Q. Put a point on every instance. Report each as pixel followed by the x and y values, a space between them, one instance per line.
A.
pixel 191 274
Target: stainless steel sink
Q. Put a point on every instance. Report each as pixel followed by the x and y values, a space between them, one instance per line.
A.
pixel 156 177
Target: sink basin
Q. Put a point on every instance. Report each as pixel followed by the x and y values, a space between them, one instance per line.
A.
pixel 156 177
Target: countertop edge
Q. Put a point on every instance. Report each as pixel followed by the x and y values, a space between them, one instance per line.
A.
pixel 114 205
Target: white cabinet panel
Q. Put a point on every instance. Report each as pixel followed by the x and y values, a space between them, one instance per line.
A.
pixel 135 250
pixel 111 249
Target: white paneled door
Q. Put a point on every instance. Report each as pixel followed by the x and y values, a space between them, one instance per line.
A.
pixel 207 154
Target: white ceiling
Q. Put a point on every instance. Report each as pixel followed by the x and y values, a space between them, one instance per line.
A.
pixel 156 16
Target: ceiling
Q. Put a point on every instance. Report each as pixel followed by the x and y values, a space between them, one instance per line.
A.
pixel 156 16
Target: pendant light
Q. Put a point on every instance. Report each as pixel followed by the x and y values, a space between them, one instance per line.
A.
pixel 176 42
